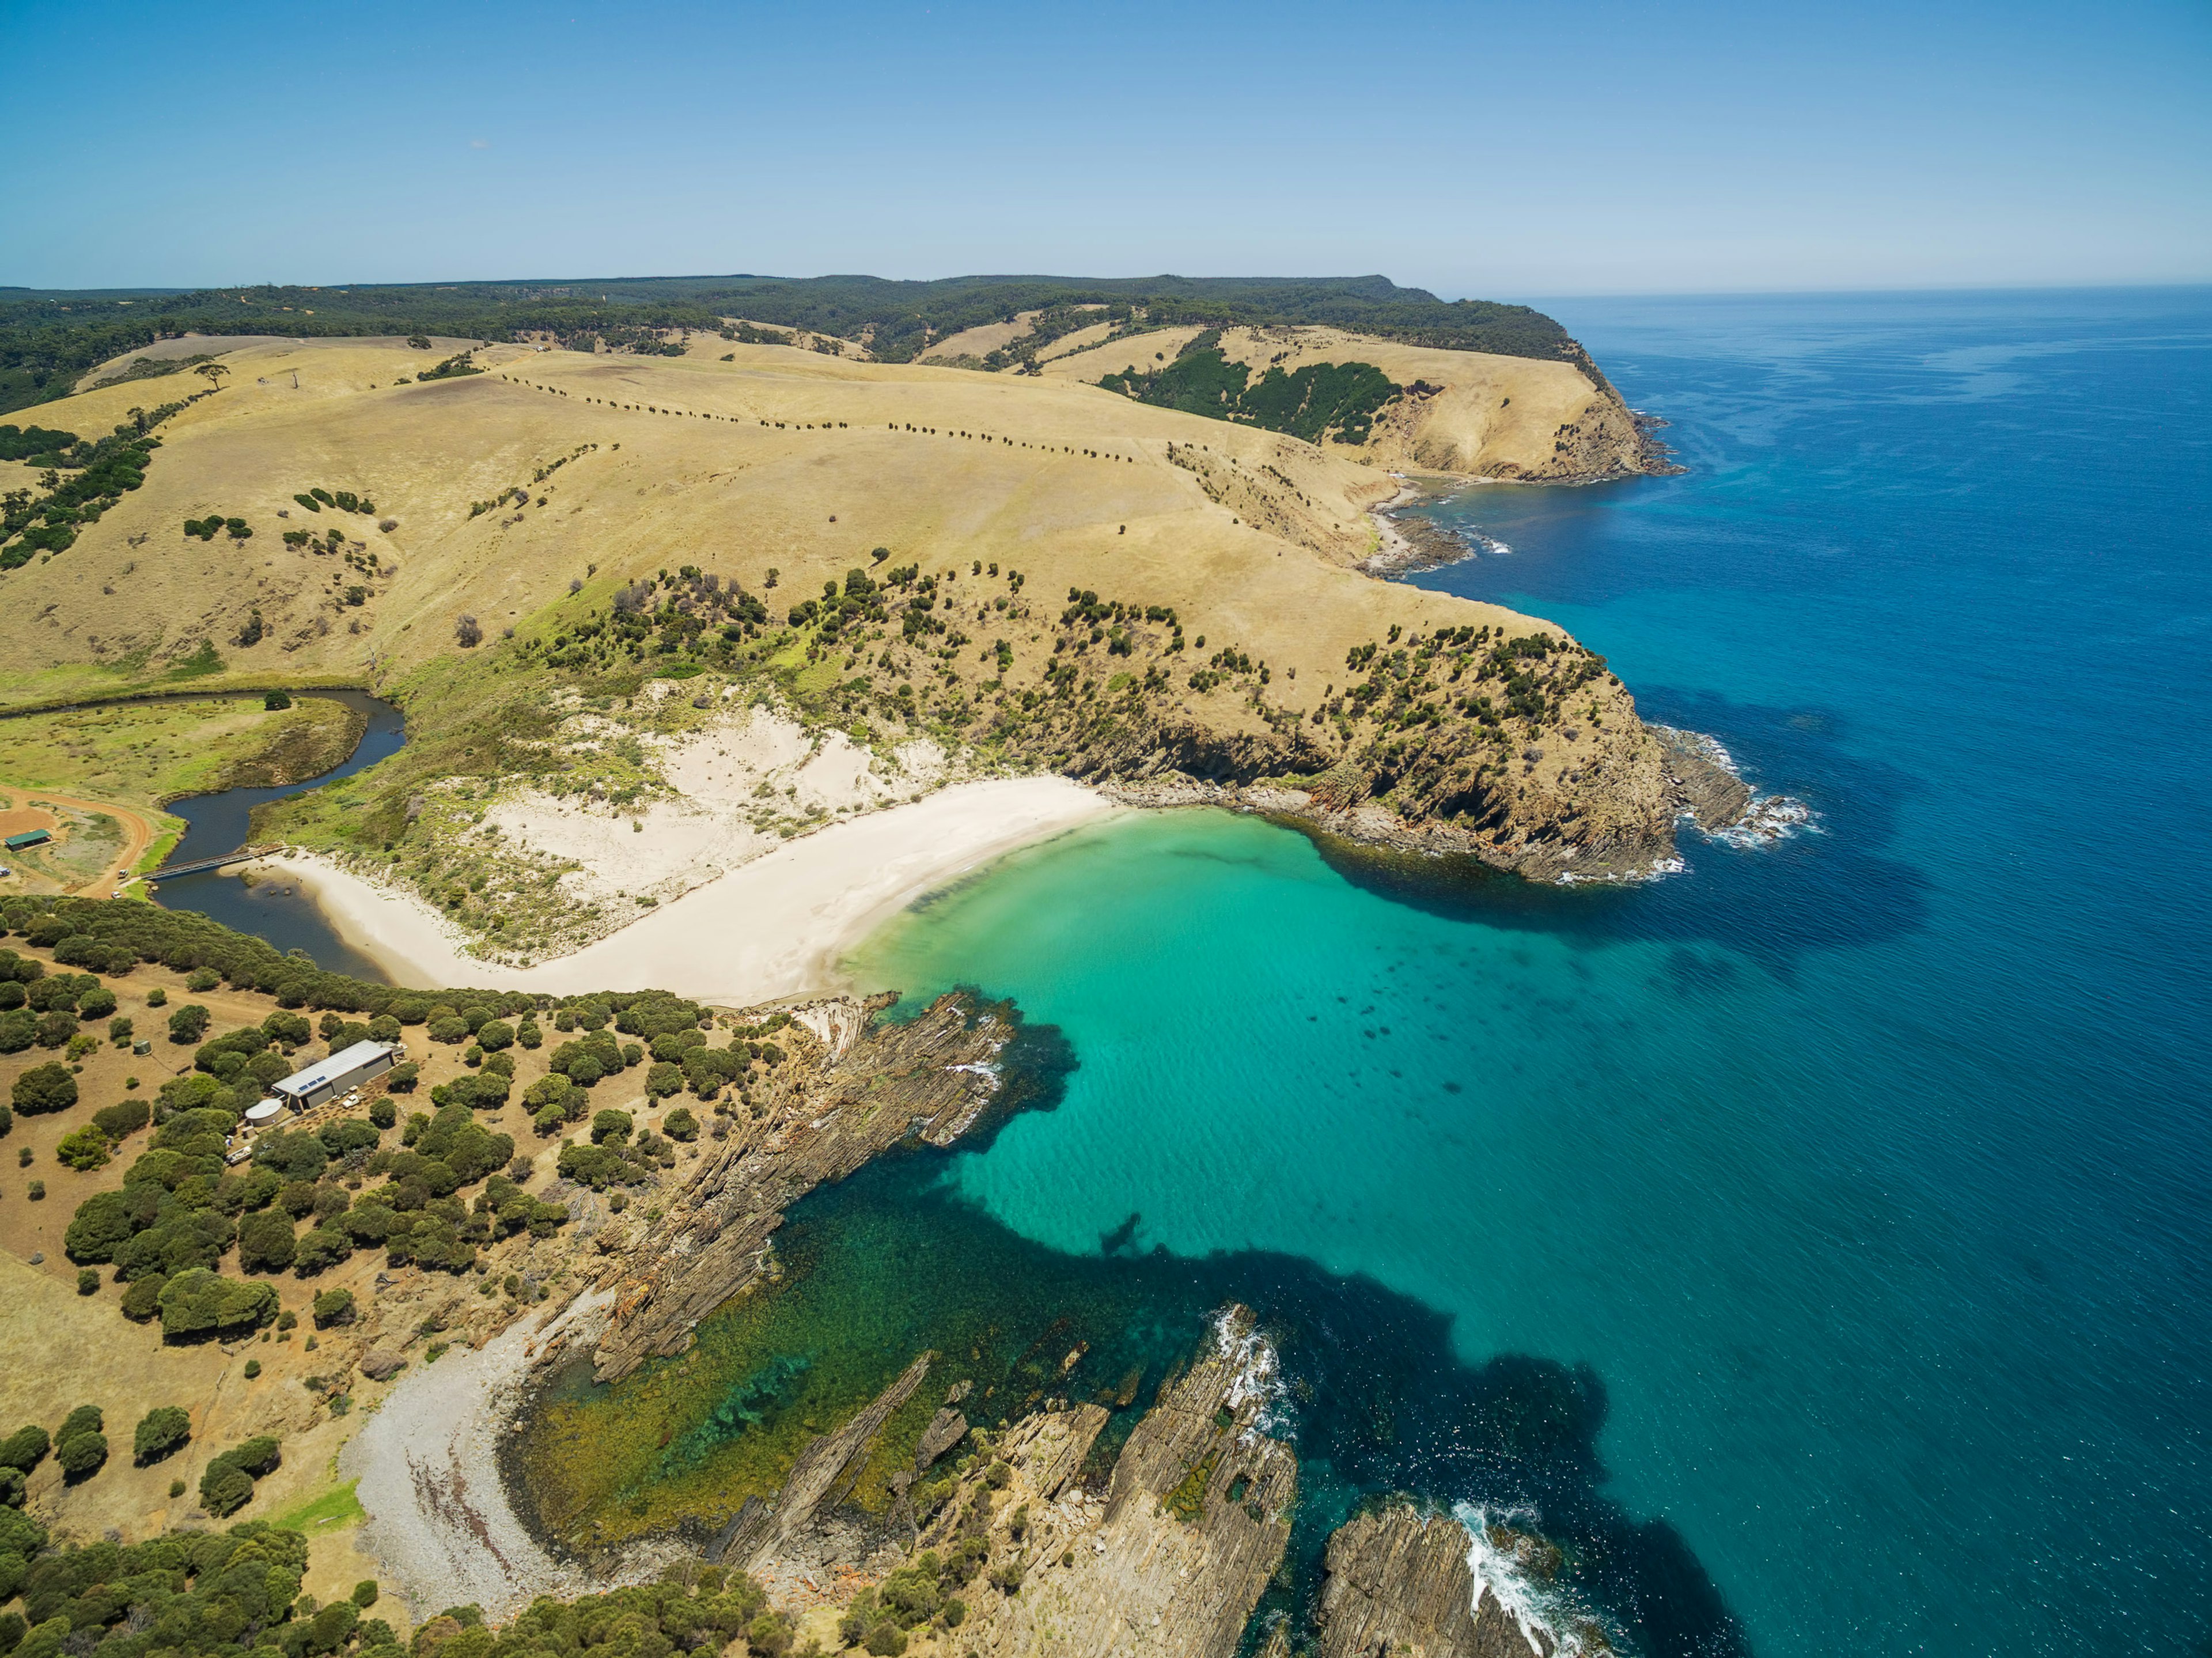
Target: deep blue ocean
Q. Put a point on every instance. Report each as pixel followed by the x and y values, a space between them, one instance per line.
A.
pixel 1851 1197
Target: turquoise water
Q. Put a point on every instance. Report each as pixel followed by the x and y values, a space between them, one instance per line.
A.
pixel 1865 1176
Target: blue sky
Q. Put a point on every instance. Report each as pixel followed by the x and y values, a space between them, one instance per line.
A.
pixel 1556 146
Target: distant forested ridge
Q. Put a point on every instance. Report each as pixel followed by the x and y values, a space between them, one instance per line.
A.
pixel 50 340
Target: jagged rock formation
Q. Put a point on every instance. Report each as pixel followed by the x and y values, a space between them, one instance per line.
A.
pixel 1168 1561
pixel 1400 1584
pixel 933 1076
pixel 825 1469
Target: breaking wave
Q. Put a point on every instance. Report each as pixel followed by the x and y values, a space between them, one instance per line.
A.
pixel 1515 1566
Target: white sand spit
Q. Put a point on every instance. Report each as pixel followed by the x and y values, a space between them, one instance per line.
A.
pixel 775 926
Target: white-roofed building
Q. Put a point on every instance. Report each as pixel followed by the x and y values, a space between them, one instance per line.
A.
pixel 346 1069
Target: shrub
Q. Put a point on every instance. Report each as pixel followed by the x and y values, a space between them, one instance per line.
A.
pixel 157 996
pixel 196 1302
pixel 494 1034
pixel 610 1124
pixel 48 1087
pixel 81 1456
pixel 188 1023
pixel 83 1150
pixel 201 978
pixel 382 1113
pixel 333 1308
pixel 97 1003
pixel 680 1123
pixel 88 1281
pixel 225 1489
pixel 664 1079
pixel 25 1449
pixel 277 700
pixel 400 1079
pixel 161 1430
pixel 125 1117
pixel 365 1593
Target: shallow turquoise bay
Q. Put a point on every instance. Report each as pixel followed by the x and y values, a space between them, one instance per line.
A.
pixel 1866 1173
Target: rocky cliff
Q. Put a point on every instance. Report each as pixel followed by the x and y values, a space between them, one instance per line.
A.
pixel 1167 1560
pixel 1400 1584
pixel 860 1089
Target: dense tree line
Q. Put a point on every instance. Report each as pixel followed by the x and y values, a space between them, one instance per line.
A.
pixel 1320 398
pixel 47 343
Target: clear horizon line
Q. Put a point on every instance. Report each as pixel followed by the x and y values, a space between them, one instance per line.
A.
pixel 2082 286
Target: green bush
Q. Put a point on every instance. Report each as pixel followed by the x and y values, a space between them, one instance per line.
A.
pixel 188 1023
pixel 680 1123
pixel 25 1449
pixel 493 1035
pixel 83 1150
pixel 402 1080
pixel 319 1250
pixel 88 1280
pixel 610 1124
pixel 81 1456
pixel 143 1300
pixel 267 1243
pixel 333 1308
pixel 123 1119
pixel 224 1489
pixel 382 1113
pixel 48 1087
pixel 196 1302
pixel 161 1430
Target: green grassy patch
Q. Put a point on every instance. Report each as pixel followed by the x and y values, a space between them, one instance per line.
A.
pixel 336 1508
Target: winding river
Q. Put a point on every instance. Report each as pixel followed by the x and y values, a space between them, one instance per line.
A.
pixel 274 909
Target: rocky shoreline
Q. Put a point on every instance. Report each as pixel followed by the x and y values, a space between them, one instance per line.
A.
pixel 1049 1540
pixel 1698 788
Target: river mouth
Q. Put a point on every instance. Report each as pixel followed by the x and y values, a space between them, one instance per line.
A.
pixel 275 910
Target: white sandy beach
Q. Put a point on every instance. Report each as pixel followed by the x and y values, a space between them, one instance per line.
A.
pixel 773 927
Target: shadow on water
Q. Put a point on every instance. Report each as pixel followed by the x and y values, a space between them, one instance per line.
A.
pixel 893 1261
pixel 220 822
pixel 1829 887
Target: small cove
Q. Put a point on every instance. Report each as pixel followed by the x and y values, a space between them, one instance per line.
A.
pixel 1841 1202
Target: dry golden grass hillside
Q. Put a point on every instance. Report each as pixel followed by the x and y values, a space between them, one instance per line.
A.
pixel 521 496
pixel 1073 485
pixel 1517 417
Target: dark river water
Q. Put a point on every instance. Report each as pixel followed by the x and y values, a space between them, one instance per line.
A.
pixel 274 909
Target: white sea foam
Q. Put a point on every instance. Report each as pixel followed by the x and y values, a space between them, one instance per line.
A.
pixel 1501 1569
pixel 1257 1374
pixel 1767 818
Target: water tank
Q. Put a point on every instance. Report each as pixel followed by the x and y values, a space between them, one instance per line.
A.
pixel 265 1113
